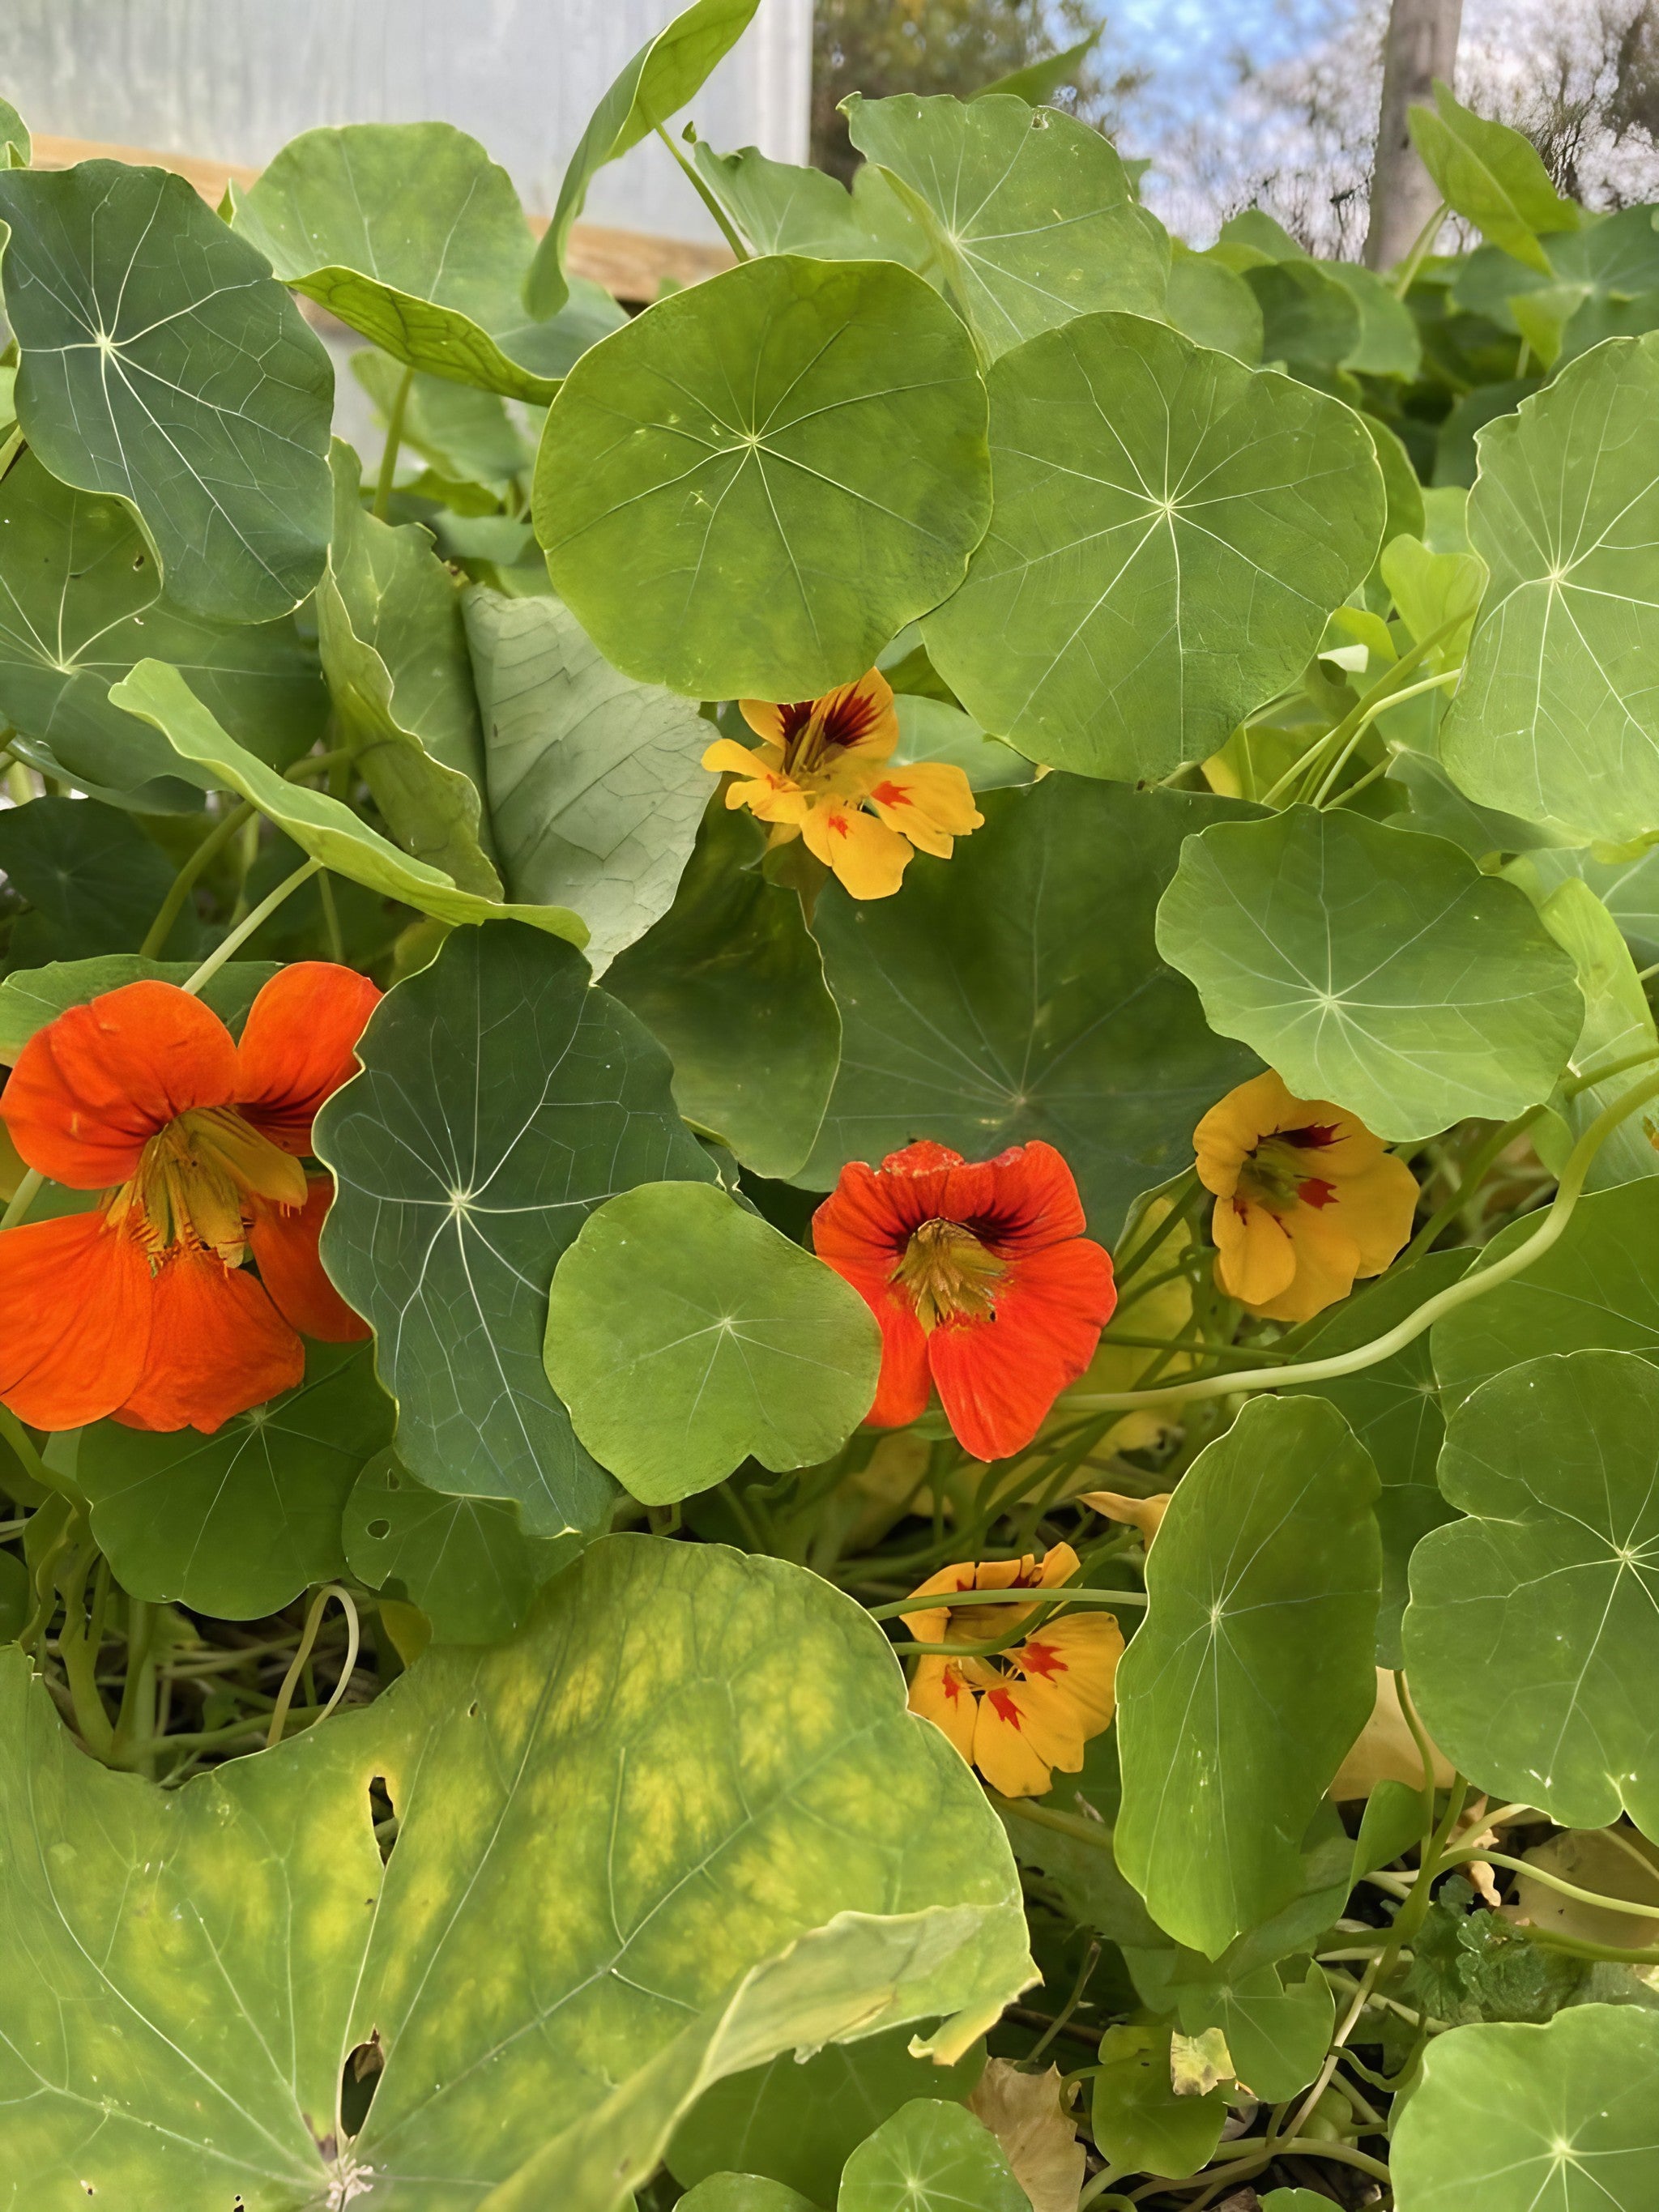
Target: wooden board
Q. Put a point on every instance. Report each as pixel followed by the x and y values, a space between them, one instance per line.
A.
pixel 631 264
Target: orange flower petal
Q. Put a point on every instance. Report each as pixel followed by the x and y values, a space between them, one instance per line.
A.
pixel 75 1320
pixel 997 1379
pixel 284 1242
pixel 869 859
pixel 91 1088
pixel 299 1046
pixel 217 1345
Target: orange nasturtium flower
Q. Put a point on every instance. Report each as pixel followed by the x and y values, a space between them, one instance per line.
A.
pixel 822 772
pixel 143 1308
pixel 981 1280
pixel 1019 1713
pixel 1306 1197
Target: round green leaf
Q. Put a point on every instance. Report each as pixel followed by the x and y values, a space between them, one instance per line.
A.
pixel 237 1523
pixel 1372 967
pixel 1558 2118
pixel 686 1335
pixel 934 730
pixel 411 233
pixel 730 982
pixel 1596 1287
pixel 1014 991
pixel 1138 2122
pixel 1557 718
pixel 161 361
pixel 80 601
pixel 1277 2031
pixel 1030 211
pixel 1393 1410
pixel 502 1099
pixel 1214 306
pixel 1252 1672
pixel 930 2157
pixel 595 783
pixel 1532 1637
pixel 625 1865
pixel 466 1562
pixel 1490 175
pixel 799 2120
pixel 1171 530
pixel 752 488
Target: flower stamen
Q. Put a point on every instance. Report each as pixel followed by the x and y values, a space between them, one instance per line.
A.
pixel 948 1275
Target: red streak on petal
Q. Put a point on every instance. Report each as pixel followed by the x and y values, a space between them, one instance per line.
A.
pixel 1004 1707
pixel 890 794
pixel 1314 1136
pixel 1041 1659
pixel 1314 1192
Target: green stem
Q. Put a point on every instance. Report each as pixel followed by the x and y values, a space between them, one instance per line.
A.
pixel 1554 1881
pixel 1093 1832
pixel 330 920
pixel 1474 1284
pixel 394 439
pixel 1419 250
pixel 703 193
pixel 136 1723
pixel 189 875
pixel 1381 707
pixel 27 1190
pixel 1385 692
pixel 1185 1204
pixel 245 929
pixel 939 1601
pixel 1474 1176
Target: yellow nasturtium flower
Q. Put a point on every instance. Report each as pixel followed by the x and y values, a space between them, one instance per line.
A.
pixel 1022 1713
pixel 1307 1199
pixel 823 773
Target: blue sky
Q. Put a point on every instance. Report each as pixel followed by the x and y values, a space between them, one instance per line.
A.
pixel 1189 45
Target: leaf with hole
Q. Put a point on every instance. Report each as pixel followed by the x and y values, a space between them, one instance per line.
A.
pixel 467 1563
pixel 639 1703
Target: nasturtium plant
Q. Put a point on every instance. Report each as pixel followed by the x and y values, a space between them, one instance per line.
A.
pixel 828 1182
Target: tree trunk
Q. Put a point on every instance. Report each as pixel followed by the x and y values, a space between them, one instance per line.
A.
pixel 1421 46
